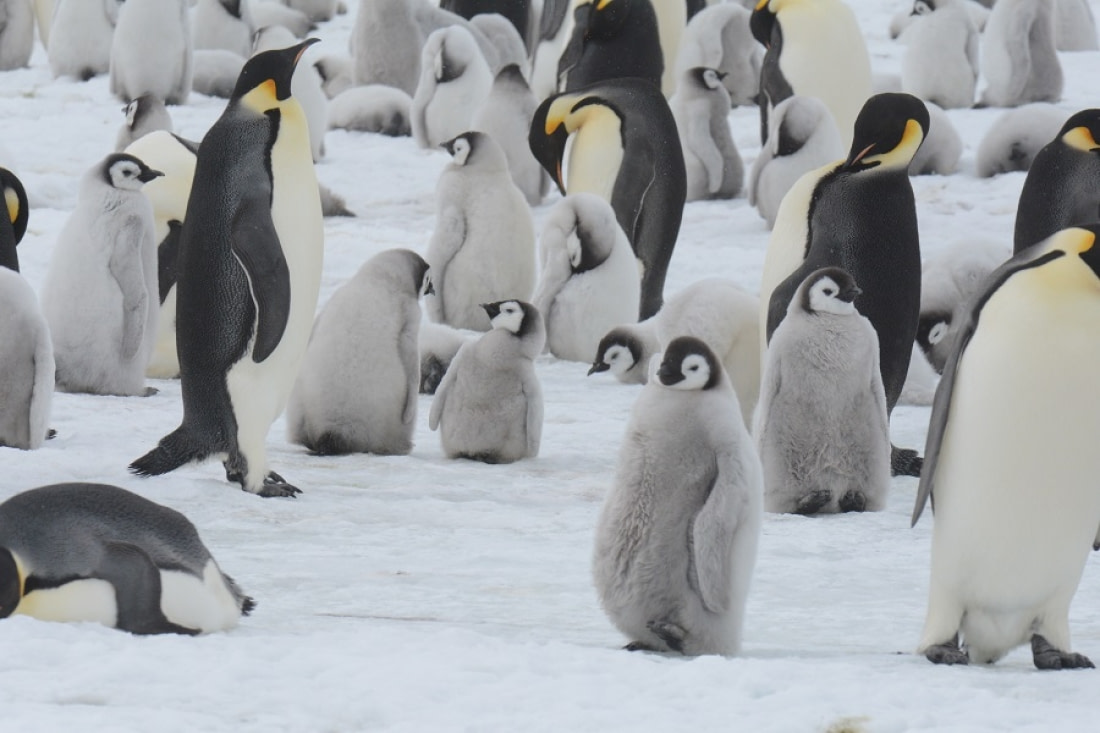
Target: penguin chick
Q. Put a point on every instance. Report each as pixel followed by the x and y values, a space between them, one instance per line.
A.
pixel 267 13
pixel 821 429
pixel 216 71
pixel 940 152
pixel 1016 137
pixel 483 245
pixel 506 117
pixel 489 405
pixel 358 386
pixel 701 108
pixel 1074 26
pixel 589 279
pixel 438 345
pixel 336 73
pixel 100 293
pixel 941 59
pixel 454 82
pixel 16 34
pixel 1019 60
pixel 93 552
pixel 145 114
pixel 306 85
pixel 677 535
pixel 222 25
pixel 151 51
pixel 718 37
pixel 503 36
pixel 626 352
pixel 371 108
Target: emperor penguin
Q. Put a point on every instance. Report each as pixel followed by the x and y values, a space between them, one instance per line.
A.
pixel 335 70
pixel 372 108
pixel 588 279
pixel 1019 60
pixel 144 114
pixel 249 273
pixel 701 107
pixel 941 58
pixel 822 428
pixel 489 406
pixel 860 215
pixel 100 292
pixel 95 552
pixel 941 150
pixel 814 48
pixel 438 344
pixel 718 37
pixel 618 140
pixel 358 387
pixel 802 137
pixel 1062 187
pixel 1016 137
pixel 306 86
pixel 611 39
pixel 483 246
pixel 677 534
pixel 80 37
pixel 505 116
pixel 215 71
pixel 454 82
pixel 554 31
pixel 16 34
pixel 1074 26
pixel 1011 537
pixel 14 218
pixel 224 25
pixel 151 51
pixel 626 352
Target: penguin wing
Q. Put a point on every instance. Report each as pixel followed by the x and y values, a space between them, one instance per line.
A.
pixel 125 267
pixel 447 239
pixel 256 245
pixel 631 186
pixel 701 143
pixel 711 540
pixel 555 274
pixel 532 394
pixel 968 323
pixel 444 388
pixel 769 389
pixel 973 52
pixel 408 349
pixel 767 152
pixel 167 256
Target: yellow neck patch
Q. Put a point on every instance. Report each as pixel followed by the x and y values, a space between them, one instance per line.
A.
pixel 12 201
pixel 1080 138
pixel 1076 240
pixel 559 111
pixel 903 152
pixel 261 98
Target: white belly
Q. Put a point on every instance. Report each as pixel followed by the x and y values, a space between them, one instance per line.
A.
pixel 203 604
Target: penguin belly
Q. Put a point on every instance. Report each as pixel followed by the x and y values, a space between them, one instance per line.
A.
pixel 592 159
pixel 204 604
pixel 87 599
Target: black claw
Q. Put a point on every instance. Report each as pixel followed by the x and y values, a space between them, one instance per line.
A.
pixel 1046 656
pixel 813 502
pixel 639 646
pixel 905 462
pixel 51 434
pixel 853 501
pixel 947 653
pixel 671 634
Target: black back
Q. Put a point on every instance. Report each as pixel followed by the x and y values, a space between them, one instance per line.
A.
pixel 774 87
pixel 619 41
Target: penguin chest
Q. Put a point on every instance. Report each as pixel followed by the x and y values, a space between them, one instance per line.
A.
pixel 593 155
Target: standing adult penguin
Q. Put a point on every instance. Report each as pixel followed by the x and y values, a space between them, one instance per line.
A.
pixel 619 140
pixel 306 87
pixel 1062 187
pixel 612 39
pixel 814 48
pixel 151 51
pixel 454 82
pixel 1019 59
pixel 1016 510
pixel 701 107
pixel 860 215
pixel 249 273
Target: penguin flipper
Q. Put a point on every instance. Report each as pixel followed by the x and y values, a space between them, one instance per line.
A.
pixel 447 239
pixel 125 268
pixel 256 245
pixel 532 393
pixel 553 15
pixel 441 392
pixel 167 256
pixel 137 585
pixel 711 542
pixel 701 143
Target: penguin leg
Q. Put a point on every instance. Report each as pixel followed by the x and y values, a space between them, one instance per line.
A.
pixel 853 501
pixel 905 462
pixel 947 653
pixel 670 633
pixel 1046 656
pixel 813 502
pixel 236 471
pixel 136 581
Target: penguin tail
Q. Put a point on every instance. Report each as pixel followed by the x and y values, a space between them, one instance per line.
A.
pixel 174 450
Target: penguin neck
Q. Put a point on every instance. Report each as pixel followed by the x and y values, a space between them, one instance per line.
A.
pixel 593 154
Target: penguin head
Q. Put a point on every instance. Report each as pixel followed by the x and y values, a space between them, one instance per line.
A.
pixel 932 328
pixel 460 147
pixel 888 131
pixel 557 118
pixel 127 172
pixel 923 7
pixel 452 50
pixel 764 24
pixel 136 109
pixel 233 7
pixel 829 290
pixel 475 149
pixel 619 351
pixel 1082 131
pixel 11 583
pixel 601 18
pixel 514 316
pixel 689 364
pixel 264 82
pixel 15 202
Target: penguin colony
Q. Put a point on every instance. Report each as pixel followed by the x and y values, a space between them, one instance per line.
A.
pixel 240 239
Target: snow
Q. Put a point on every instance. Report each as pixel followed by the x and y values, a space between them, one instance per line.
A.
pixel 421 594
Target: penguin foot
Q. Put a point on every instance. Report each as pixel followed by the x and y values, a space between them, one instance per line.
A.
pixel 669 633
pixel 276 485
pixel 905 462
pixel 947 653
pixel 1046 656
pixel 853 501
pixel 431 374
pixel 149 392
pixel 813 502
pixel 51 434
pixel 640 646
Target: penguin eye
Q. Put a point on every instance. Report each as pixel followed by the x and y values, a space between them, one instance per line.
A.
pixel 829 292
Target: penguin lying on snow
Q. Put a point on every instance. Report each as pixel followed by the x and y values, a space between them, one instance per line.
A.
pixel 93 552
pixel 1016 137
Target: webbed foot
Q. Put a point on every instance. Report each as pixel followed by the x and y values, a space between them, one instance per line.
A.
pixel 853 501
pixel 669 633
pixel 905 462
pixel 813 502
pixel 1046 656
pixel 947 653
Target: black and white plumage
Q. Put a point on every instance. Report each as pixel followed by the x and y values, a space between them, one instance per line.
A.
pixel 1016 137
pixel 13 218
pixel 611 39
pixel 821 428
pixel 626 351
pixel 93 552
pixel 454 82
pixel 306 86
pixel 151 51
pixel 712 163
pixel 505 116
pixel 1019 60
pixel 677 535
pixel 358 386
pixel 555 27
pixel 941 59
pixel 718 37
pixel 145 114
pixel 80 37
pixel 100 292
pixel 489 405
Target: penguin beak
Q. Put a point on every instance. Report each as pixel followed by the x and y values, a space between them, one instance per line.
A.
pixel 599 366
pixel 449 146
pixel 848 295
pixel 860 155
pixel 149 174
pixel 430 290
pixel 294 54
pixel 493 309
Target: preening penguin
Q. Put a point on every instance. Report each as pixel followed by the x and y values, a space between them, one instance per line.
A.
pixel 822 428
pixel 506 117
pixel 151 51
pixel 483 245
pixel 145 114
pixel 80 37
pixel 676 539
pixel 941 59
pixel 357 390
pixel 1019 60
pixel 611 39
pixel 1016 137
pixel 100 292
pixel 589 279
pixel 250 247
pixel 1016 510
pixel 454 82
pixel 718 37
pixel 1062 188
pixel 93 552
pixel 701 107
pixel 489 405
pixel 619 141
pixel 16 34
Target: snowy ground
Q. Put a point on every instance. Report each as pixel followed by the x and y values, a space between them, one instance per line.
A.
pixel 420 594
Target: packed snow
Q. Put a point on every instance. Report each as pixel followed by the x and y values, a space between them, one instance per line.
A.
pixel 418 593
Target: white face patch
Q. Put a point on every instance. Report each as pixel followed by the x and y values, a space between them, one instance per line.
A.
pixel 937 332
pixel 510 317
pixel 710 78
pixel 426 285
pixel 619 358
pixel 696 373
pixel 920 7
pixel 573 249
pixel 131 113
pixel 823 298
pixel 461 150
pixel 124 175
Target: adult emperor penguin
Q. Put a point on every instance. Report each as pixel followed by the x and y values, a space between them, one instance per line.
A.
pixel 358 387
pixel 589 279
pixel 306 86
pixel 145 114
pixel 1016 137
pixel 1062 187
pixel 940 63
pixel 483 246
pixel 1019 60
pixel 489 405
pixel 151 51
pixel 618 140
pixel 16 34
pixel 13 218
pixel 100 292
pixel 517 12
pixel 860 215
pixel 815 48
pixel 719 37
pixel 701 107
pixel 611 39
pixel 250 248
pixel 1016 511
pixel 676 538
pixel 506 117
pixel 821 428
pixel 80 37
pixel 94 552
pixel 454 82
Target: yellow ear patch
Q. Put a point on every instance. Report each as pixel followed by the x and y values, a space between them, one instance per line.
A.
pixel 559 110
pixel 761 4
pixel 262 97
pixel 904 151
pixel 1080 138
pixel 602 4
pixel 1077 240
pixel 12 200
